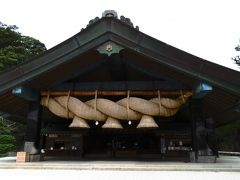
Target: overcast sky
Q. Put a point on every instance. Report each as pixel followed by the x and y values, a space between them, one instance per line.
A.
pixel 209 29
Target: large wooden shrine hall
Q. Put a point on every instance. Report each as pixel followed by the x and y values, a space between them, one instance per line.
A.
pixel 112 92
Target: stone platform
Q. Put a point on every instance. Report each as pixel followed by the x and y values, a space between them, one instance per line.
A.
pixel 224 164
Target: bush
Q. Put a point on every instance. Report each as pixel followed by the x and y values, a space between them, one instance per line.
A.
pixel 5 148
pixel 7 140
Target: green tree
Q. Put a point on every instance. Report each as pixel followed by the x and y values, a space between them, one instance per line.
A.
pixel 237 58
pixel 15 48
pixel 7 140
pixel 229 136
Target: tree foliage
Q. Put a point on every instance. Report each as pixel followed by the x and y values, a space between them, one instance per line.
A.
pixel 237 58
pixel 7 140
pixel 229 136
pixel 15 48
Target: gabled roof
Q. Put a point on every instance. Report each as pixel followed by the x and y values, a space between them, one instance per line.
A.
pixel 112 29
pixel 136 45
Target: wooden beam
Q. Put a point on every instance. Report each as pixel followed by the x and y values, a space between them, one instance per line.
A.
pixel 116 68
pixel 122 86
pixel 113 93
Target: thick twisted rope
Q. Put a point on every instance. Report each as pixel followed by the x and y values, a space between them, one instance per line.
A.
pixel 130 108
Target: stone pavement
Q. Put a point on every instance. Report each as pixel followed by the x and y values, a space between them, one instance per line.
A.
pixel 41 174
pixel 224 164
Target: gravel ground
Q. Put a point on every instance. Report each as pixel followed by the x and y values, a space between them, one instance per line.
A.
pixel 116 175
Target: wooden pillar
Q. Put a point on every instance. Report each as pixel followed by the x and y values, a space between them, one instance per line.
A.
pixel 32 136
pixel 197 126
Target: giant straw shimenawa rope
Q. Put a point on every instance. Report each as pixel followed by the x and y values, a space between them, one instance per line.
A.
pixel 100 109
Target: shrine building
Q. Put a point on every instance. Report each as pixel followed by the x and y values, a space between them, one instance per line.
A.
pixel 113 92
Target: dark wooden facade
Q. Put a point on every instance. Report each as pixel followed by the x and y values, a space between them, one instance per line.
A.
pixel 111 55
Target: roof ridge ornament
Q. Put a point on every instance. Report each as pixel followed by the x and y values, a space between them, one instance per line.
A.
pixel 113 14
pixel 128 22
pixel 92 21
pixel 110 13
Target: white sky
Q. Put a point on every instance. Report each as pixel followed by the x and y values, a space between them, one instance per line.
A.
pixel 209 29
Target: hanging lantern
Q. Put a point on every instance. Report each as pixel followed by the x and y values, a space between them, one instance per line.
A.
pixel 112 123
pixel 147 122
pixel 78 123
